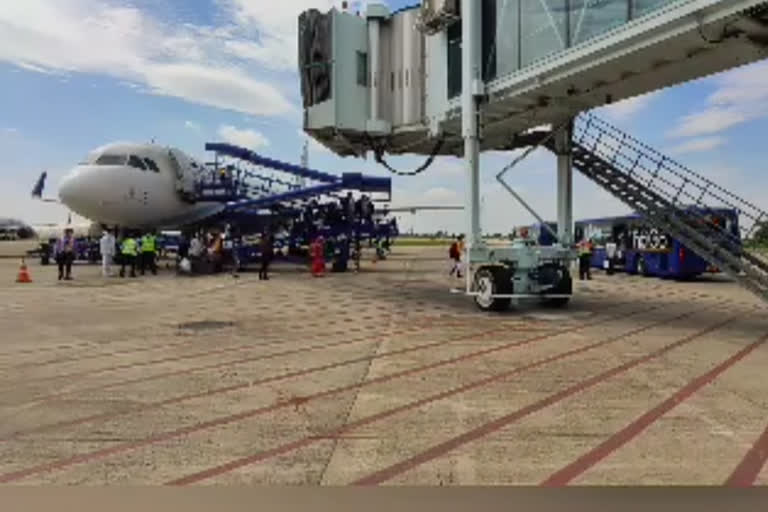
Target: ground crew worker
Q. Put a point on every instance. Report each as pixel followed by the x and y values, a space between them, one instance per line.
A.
pixel 107 250
pixel 148 253
pixel 610 255
pixel 318 256
pixel 267 253
pixel 585 257
pixel 128 251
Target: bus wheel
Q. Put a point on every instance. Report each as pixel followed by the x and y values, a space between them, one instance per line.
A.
pixel 490 281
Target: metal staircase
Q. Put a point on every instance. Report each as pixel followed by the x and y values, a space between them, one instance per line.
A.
pixel 672 197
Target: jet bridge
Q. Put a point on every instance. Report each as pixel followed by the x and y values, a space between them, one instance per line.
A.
pixel 391 82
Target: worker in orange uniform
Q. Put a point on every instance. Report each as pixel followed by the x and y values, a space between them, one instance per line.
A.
pixel 317 250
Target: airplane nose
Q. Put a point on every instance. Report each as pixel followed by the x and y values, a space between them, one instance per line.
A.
pixel 68 188
pixel 76 190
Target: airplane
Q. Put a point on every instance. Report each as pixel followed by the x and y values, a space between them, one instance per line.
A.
pixel 136 186
pixel 144 186
pixel 15 229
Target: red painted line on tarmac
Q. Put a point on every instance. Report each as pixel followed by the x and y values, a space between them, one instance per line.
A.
pixel 76 359
pixel 341 432
pixel 215 391
pixel 213 366
pixel 751 465
pixel 447 446
pixel 138 364
pixel 620 438
pixel 88 457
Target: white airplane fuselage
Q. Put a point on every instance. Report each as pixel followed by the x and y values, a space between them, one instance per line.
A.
pixel 133 186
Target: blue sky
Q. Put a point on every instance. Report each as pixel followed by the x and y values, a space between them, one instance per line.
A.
pixel 80 73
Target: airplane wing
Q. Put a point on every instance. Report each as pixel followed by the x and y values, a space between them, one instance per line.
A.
pixel 414 209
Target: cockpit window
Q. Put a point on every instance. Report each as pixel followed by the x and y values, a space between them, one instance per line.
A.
pixel 151 165
pixel 107 159
pixel 135 161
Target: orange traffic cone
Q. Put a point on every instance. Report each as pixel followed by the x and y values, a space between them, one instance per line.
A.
pixel 23 276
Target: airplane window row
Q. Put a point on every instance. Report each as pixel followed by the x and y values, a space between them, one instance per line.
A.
pixel 131 160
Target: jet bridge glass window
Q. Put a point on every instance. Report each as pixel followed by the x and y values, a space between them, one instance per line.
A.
pixel 362 69
pixel 488 51
pixel 136 162
pixel 643 7
pixel 112 159
pixel 588 18
pixel 544 29
pixel 454 60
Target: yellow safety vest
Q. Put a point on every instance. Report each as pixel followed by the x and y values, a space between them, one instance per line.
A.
pixel 148 243
pixel 129 247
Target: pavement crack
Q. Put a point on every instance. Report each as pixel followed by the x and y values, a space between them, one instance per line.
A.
pixel 395 313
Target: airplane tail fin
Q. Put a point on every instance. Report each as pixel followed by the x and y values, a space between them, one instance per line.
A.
pixel 37 190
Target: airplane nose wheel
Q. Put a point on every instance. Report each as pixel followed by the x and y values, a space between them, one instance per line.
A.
pixel 489 282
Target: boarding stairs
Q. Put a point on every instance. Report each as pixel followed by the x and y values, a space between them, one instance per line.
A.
pixel 670 196
pixel 323 184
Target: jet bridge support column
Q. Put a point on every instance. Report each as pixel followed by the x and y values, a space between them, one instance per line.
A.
pixel 564 183
pixel 471 88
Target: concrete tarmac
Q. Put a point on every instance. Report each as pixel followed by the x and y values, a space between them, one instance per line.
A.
pixel 377 378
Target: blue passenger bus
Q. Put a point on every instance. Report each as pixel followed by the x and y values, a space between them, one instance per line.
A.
pixel 642 249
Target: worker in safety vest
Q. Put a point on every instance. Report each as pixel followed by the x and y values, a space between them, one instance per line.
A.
pixel 148 253
pixel 128 251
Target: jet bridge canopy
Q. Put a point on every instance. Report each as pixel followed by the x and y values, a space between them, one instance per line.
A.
pixel 393 80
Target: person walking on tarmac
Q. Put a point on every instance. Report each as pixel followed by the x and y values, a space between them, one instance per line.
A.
pixel 318 256
pixel 267 252
pixel 148 253
pixel 65 254
pixel 455 252
pixel 585 257
pixel 128 252
pixel 107 250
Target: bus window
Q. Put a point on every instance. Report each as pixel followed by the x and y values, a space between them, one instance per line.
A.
pixel 136 162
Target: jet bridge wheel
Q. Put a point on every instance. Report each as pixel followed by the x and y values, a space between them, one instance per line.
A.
pixel 490 281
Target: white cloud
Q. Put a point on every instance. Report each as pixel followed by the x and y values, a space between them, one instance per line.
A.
pixel 192 125
pixel 277 26
pixel 246 138
pixel 313 144
pixel 741 96
pixel 710 121
pixel 441 196
pixel 698 145
pixel 625 109
pixel 165 58
pixel 447 166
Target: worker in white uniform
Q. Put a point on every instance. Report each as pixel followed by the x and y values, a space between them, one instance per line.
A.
pixel 107 250
pixel 610 256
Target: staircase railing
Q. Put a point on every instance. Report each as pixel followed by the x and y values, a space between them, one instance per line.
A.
pixel 681 186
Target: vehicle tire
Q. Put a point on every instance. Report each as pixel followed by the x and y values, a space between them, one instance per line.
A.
pixel 558 302
pixel 565 286
pixel 489 281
